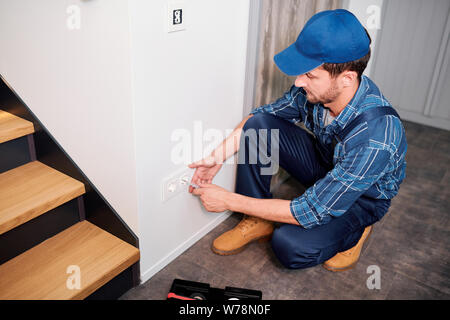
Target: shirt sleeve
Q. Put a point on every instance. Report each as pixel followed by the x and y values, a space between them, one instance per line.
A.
pixel 289 106
pixel 334 194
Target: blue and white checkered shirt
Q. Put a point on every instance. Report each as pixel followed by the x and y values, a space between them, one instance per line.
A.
pixel 370 161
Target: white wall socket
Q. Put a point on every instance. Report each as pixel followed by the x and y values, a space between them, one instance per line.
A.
pixel 176 15
pixel 176 183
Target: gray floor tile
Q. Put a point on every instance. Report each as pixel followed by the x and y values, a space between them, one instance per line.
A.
pixel 426 164
pixel 415 250
pixel 422 136
pixel 405 288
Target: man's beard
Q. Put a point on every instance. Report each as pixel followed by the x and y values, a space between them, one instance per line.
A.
pixel 328 97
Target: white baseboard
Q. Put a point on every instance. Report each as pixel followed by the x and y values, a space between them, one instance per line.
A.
pixel 440 123
pixel 146 275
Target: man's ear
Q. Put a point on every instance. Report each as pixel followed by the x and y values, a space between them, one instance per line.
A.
pixel 349 78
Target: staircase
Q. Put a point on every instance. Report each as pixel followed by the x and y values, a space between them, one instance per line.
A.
pixel 74 262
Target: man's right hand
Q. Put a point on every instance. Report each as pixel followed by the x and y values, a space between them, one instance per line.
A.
pixel 205 171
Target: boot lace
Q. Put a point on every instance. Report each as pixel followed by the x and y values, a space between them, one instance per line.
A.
pixel 247 223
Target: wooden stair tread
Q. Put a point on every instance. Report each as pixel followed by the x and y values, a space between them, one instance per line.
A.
pixel 42 271
pixel 12 127
pixel 31 190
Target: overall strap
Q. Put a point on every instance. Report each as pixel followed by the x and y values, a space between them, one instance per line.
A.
pixel 366 116
pixel 310 109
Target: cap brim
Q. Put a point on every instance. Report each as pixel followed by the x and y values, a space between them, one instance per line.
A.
pixel 293 63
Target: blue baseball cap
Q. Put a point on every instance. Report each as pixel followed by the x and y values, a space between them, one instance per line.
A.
pixel 331 36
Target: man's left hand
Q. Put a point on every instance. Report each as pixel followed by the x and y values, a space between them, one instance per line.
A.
pixel 212 197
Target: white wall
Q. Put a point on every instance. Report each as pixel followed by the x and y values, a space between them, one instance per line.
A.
pixel 178 78
pixel 113 92
pixel 412 58
pixel 78 83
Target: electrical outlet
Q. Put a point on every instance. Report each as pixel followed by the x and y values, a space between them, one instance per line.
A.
pixel 176 11
pixel 176 183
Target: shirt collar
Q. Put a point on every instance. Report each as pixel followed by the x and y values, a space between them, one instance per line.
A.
pixel 353 107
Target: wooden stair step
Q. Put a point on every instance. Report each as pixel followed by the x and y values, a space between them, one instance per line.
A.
pixel 31 190
pixel 12 127
pixel 44 271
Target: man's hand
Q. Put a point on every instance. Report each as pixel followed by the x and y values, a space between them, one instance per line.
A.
pixel 212 197
pixel 217 199
pixel 205 170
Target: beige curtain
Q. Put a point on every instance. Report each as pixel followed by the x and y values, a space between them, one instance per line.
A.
pixel 280 24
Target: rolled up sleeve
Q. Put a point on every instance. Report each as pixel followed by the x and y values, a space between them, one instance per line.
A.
pixel 286 107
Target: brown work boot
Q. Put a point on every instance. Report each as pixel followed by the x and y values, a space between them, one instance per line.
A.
pixel 348 259
pixel 248 230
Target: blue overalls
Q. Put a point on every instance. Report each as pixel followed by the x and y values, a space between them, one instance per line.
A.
pixel 307 160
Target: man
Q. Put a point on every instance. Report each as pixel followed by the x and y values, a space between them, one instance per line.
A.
pixel 352 166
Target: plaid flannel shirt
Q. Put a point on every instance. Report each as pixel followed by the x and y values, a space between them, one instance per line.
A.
pixel 370 161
